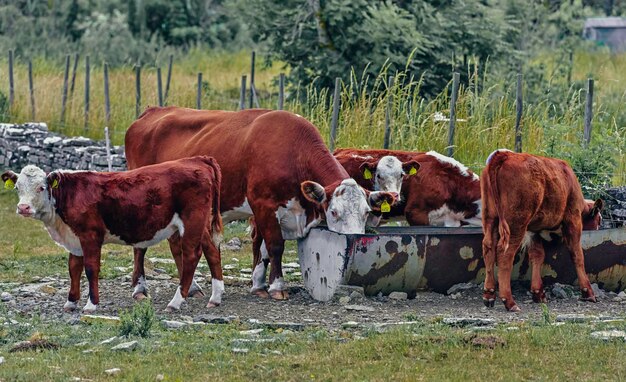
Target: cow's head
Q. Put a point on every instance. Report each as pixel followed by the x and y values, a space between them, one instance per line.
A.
pixel 347 205
pixel 32 187
pixel 592 217
pixel 388 172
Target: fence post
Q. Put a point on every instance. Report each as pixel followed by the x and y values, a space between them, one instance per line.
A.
pixel 107 100
pixel 74 74
pixel 108 146
pixel 252 79
pixel 335 118
pixel 137 89
pixel 11 83
pixel 242 94
pixel 87 72
pixel 159 87
pixel 518 114
pixel 64 95
pixel 281 91
pixel 388 113
pixel 31 90
pixel 455 90
pixel 199 96
pixel 169 77
pixel 588 112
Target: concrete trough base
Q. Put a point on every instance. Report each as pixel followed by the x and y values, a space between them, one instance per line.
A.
pixel 410 259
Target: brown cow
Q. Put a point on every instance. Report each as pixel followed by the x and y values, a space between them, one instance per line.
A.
pixel 443 192
pixel 527 197
pixel 83 210
pixel 275 166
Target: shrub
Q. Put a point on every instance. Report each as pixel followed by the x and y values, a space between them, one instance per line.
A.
pixel 137 321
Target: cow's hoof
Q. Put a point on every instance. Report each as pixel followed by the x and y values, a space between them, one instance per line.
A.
pixel 139 296
pixel 589 299
pixel 489 297
pixel 171 309
pixel 489 302
pixel 212 304
pixel 196 293
pixel 262 293
pixel 69 307
pixel 539 296
pixel 512 307
pixel 279 295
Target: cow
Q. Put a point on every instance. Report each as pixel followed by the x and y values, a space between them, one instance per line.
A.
pixel 82 210
pixel 443 192
pixel 525 199
pixel 275 167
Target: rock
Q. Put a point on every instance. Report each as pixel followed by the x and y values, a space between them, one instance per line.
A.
pixel 113 371
pixel 173 324
pixel 158 260
pixel 81 344
pixel 291 266
pixel 6 296
pixel 33 345
pixel 608 335
pixel 597 291
pixel 211 319
pixel 456 288
pixel 282 325
pixel 233 244
pixel 252 332
pixel 360 308
pixel 354 296
pixel 574 318
pixel 622 294
pixel 246 270
pixel 91 318
pixel 347 290
pixel 344 300
pixel 1 360
pixel 559 291
pixel 47 289
pixel 126 346
pixel 489 342
pixel 468 321
pixel 160 377
pixel 350 325
pixel 240 350
pixel 159 276
pixel 398 296
pixel 230 267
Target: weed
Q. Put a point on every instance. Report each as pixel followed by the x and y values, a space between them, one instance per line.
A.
pixel 138 321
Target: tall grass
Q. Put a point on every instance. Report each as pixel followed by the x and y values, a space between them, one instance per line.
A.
pixel 552 121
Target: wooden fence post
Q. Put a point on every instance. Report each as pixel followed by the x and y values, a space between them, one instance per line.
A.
pixel 455 90
pixel 242 94
pixel 74 74
pixel 169 77
pixel 31 89
pixel 64 94
pixel 107 101
pixel 252 79
pixel 87 73
pixel 281 91
pixel 335 118
pixel 199 96
pixel 159 87
pixel 137 89
pixel 11 81
pixel 388 113
pixel 518 114
pixel 108 148
pixel 588 112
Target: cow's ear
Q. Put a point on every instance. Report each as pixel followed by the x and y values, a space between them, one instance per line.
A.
pixel 368 169
pixel 410 167
pixel 53 180
pixel 314 192
pixel 597 207
pixel 382 200
pixel 9 178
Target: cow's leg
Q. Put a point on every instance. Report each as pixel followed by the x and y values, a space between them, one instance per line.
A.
pixel 91 259
pixel 269 228
pixel 75 266
pixel 415 216
pixel 260 263
pixel 176 247
pixel 505 259
pixel 572 231
pixel 489 257
pixel 139 275
pixel 212 253
pixel 536 256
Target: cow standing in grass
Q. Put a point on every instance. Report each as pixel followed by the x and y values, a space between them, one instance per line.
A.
pixel 525 199
pixel 83 210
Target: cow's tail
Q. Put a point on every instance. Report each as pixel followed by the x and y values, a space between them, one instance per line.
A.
pixel 217 228
pixel 494 164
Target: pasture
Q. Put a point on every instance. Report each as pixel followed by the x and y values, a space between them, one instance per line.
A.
pixel 298 339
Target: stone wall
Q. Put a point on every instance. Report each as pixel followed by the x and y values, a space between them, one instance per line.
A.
pixel 32 143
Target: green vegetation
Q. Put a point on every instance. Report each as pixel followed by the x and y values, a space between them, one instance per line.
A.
pixel 137 321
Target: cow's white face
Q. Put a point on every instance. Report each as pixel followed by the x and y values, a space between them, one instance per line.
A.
pixel 389 174
pixel 31 186
pixel 348 206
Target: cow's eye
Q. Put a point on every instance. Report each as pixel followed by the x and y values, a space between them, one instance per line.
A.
pixel 40 189
pixel 334 213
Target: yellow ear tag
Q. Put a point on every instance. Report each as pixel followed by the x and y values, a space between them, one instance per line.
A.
pixel 412 171
pixel 55 183
pixel 385 207
pixel 9 185
pixel 367 174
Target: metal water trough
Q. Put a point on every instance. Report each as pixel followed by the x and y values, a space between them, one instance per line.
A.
pixel 410 259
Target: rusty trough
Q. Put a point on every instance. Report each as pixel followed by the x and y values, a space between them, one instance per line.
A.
pixel 409 259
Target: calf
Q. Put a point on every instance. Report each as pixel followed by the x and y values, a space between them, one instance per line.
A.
pixel 442 192
pixel 527 197
pixel 83 210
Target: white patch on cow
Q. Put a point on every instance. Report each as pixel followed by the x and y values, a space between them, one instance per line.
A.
pixel 217 290
pixel 239 213
pixel 444 216
pixel 348 209
pixel 175 225
pixel 89 307
pixel 528 239
pixel 63 236
pixel 444 159
pixel 177 300
pixel 70 305
pixel 476 220
pixel 277 285
pixel 292 219
pixel 258 275
pixel 141 287
pixel 110 238
pixel 388 174
pixel 546 234
pixel 362 157
pixel 496 151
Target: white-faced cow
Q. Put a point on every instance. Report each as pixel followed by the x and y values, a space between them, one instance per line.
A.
pixel 527 197
pixel 82 210
pixel 436 189
pixel 275 166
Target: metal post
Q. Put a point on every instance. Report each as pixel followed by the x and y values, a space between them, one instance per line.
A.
pixel 335 118
pixel 242 95
pixel 588 112
pixel 252 79
pixel 87 72
pixel 159 87
pixel 108 146
pixel 74 74
pixel 455 90
pixel 64 94
pixel 281 91
pixel 107 101
pixel 388 113
pixel 31 90
pixel 199 96
pixel 11 82
pixel 518 114
pixel 137 89
pixel 169 77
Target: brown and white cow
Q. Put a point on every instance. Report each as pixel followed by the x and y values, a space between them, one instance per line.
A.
pixel 527 197
pixel 442 192
pixel 82 210
pixel 275 166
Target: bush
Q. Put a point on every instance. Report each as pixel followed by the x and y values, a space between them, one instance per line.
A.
pixel 137 321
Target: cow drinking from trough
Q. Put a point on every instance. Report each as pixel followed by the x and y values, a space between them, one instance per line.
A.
pixel 525 198
pixel 82 210
pixel 442 192
pixel 275 167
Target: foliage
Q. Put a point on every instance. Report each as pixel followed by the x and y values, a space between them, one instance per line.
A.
pixel 138 321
